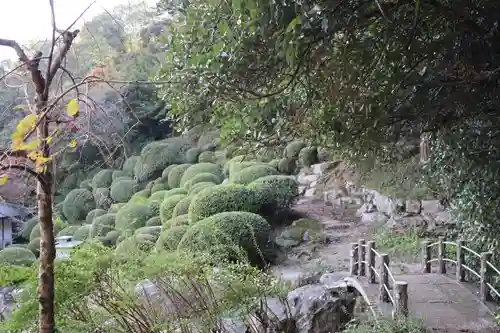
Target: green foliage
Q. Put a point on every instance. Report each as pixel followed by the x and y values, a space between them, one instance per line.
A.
pixel 86 184
pixel 16 256
pixel 68 231
pixel 58 226
pixel 176 221
pixel 170 238
pixel 103 179
pixel 251 173
pixel 123 190
pixel 224 198
pixel 287 166
pixel 200 168
pixel 94 214
pixel 168 205
pixel 102 198
pixel 158 196
pixel 293 149
pixel 182 207
pixel 135 247
pixel 154 221
pixel 115 207
pixel 278 192
pixel 144 194
pixel 103 225
pixel 34 246
pixel 198 187
pixel 192 155
pixel 274 163
pixel 236 167
pixel 119 174
pixel 13 275
pixel 152 230
pixel 200 178
pixel 308 156
pixel 111 237
pixel 206 157
pixel 229 230
pixel 160 187
pixel 175 175
pixel 166 171
pixel 77 204
pixel 175 191
pixel 82 233
pixel 28 227
pixel 398 325
pixel 132 216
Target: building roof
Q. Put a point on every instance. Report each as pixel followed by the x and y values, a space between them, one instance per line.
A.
pixel 12 210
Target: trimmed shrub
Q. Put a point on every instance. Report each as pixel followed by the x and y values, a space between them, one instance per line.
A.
pixel 132 216
pixel 154 221
pixel 198 187
pixel 293 149
pixel 119 174
pixel 207 157
pixel 182 207
pixel 175 191
pixel 168 205
pixel 102 225
pixel 175 175
pixel 155 206
pixel 274 163
pixel 130 247
pixel 78 204
pixel 223 198
pixel 200 168
pixel 86 184
pixel 166 171
pixel 115 207
pixel 111 237
pixel 153 231
pixel 210 147
pixel 28 227
pixel 123 190
pixel 176 221
pixel 58 226
pixel 82 233
pixel 170 238
pixel 209 139
pixel 235 159
pixel 240 166
pixel 141 196
pixel 287 165
pixel 200 178
pixel 68 231
pixel 129 165
pixel 120 178
pixel 158 196
pixel 34 246
pixel 308 156
pixel 94 214
pixel 192 155
pixel 17 256
pixel 102 198
pixel 246 230
pixel 103 178
pixel 248 175
pixel 160 187
pixel 277 192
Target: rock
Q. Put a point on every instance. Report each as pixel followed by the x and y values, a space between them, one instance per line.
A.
pixel 366 208
pixel 374 218
pixel 332 279
pixel 290 237
pixel 407 223
pixel 230 325
pixel 413 206
pixel 387 205
pixel 304 179
pixel 431 206
pixel 310 192
pixel 438 224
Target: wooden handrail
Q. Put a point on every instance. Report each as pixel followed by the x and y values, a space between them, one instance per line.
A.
pixel 485 274
pixel 363 262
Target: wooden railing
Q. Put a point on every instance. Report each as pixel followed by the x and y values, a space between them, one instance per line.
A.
pixel 485 274
pixel 367 262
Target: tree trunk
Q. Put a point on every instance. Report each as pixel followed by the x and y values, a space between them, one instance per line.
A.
pixel 47 244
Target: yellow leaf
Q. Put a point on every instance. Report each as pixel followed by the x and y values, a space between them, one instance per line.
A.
pixel 3 180
pixel 73 144
pixel 72 109
pixel 32 145
pixel 49 139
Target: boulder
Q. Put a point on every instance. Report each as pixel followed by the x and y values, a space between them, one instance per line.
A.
pixel 374 218
pixel 413 206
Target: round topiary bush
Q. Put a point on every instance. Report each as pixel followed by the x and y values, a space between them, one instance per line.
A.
pixel 115 207
pixel 175 221
pixel 277 192
pixel 34 246
pixel 170 238
pixel 293 149
pixel 235 159
pixel 198 187
pixel 17 256
pixel 168 205
pixel 130 247
pixel 200 178
pixel 251 173
pixel 155 206
pixel 308 156
pixel 237 167
pixel 58 226
pixel 207 157
pixel 102 198
pixel 129 165
pixel 175 191
pixel 82 233
pixel 246 230
pixel 78 204
pixel 160 187
pixel 123 190
pixel 103 178
pixel 274 163
pixel 94 214
pixel 192 155
pixel 86 184
pixel 68 231
pixel 153 231
pixel 182 206
pixel 287 165
pixel 175 175
pixel 28 227
pixel 166 171
pixel 132 216
pixel 223 198
pixel 158 196
pixel 141 196
pixel 111 237
pixel 154 221
pixel 119 174
pixel 200 168
pixel 102 225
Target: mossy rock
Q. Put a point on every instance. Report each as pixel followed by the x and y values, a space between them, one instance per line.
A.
pixel 251 173
pixel 168 205
pixel 78 204
pixel 170 238
pixel 175 175
pixel 17 256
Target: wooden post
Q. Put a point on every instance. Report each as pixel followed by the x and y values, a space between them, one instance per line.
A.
pixel 484 292
pixel 460 261
pixel 370 258
pixel 384 278
pixel 354 259
pixel 401 298
pixel 441 255
pixel 426 256
pixel 361 257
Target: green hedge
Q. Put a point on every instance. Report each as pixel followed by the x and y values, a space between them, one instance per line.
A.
pixel 175 175
pixel 168 205
pixel 17 256
pixel 77 204
pixel 132 216
pixel 251 173
pixel 200 168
